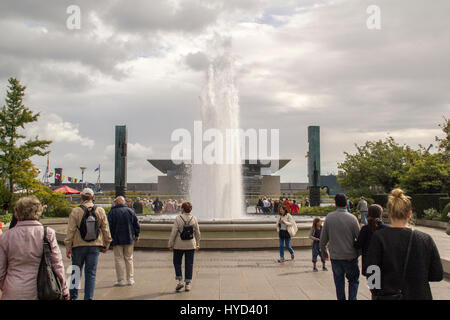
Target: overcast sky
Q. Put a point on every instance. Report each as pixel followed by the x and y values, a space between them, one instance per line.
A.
pixel 298 63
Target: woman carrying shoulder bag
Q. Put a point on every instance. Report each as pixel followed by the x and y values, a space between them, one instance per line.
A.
pixel 286 228
pixel 407 259
pixel 21 253
pixel 184 240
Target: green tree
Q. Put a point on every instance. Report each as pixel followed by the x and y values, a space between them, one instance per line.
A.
pixel 375 165
pixel 15 150
pixel 444 143
pixel 428 174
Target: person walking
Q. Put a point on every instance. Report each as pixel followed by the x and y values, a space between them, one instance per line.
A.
pixel 129 203
pixel 339 233
pixel 407 259
pixel 87 234
pixel 138 206
pixel 286 227
pixel 314 235
pixel 362 207
pixel 259 206
pixel 287 205
pixel 124 227
pixel 374 223
pixel 266 206
pixel 294 207
pixel 184 240
pixel 157 205
pixel 21 249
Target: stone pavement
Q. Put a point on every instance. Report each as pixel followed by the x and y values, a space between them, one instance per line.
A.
pixel 253 275
pixel 441 238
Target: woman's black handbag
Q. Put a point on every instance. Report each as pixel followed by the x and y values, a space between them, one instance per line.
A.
pixel 48 284
pixel 399 294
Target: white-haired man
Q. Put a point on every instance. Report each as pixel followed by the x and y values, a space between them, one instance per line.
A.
pixel 125 229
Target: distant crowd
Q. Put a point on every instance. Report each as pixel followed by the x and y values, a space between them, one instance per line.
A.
pixel 157 206
pixel 268 205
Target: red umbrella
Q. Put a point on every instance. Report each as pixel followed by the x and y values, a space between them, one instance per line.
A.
pixel 67 190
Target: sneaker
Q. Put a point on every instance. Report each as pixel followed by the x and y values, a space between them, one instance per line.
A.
pixel 292 256
pixel 315 270
pixel 188 286
pixel 120 283
pixel 281 260
pixel 130 282
pixel 324 269
pixel 179 286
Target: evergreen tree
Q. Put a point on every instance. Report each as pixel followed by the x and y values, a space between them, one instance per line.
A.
pixel 15 150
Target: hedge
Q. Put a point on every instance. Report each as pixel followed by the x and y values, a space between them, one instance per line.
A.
pixel 421 202
pixel 5 218
pixel 443 202
pixel 380 199
pixel 445 212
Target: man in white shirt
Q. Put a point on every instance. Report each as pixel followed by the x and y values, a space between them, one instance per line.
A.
pixel 266 204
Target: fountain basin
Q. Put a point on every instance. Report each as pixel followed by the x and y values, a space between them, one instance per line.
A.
pixel 251 235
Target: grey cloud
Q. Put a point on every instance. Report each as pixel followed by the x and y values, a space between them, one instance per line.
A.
pixel 197 61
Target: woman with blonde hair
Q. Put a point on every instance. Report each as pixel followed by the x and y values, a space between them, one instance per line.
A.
pixel 407 259
pixel 21 249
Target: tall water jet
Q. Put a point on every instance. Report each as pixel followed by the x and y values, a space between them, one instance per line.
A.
pixel 216 189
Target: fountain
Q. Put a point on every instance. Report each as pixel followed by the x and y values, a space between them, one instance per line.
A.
pixel 216 189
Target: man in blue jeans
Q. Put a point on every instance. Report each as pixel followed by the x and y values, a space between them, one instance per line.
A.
pixel 85 253
pixel 339 232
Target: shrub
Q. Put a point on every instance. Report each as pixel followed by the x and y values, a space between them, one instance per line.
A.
pixel 380 199
pixel 421 202
pixel 58 212
pixel 445 212
pixel 6 218
pixel 431 214
pixel 319 211
pixel 443 202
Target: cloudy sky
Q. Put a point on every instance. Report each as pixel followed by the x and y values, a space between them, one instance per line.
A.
pixel 298 63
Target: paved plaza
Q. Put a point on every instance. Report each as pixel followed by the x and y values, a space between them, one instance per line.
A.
pixel 223 275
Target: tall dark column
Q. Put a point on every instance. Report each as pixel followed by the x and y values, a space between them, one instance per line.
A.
pixel 120 166
pixel 314 165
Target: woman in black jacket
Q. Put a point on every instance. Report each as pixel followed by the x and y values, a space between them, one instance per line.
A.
pixel 388 250
pixel 374 223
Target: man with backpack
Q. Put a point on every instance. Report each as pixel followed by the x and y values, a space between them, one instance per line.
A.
pixel 87 235
pixel 124 227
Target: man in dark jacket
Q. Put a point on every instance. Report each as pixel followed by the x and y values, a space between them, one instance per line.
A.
pixel 125 230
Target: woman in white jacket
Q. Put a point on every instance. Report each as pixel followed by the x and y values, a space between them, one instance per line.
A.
pixel 184 240
pixel 286 227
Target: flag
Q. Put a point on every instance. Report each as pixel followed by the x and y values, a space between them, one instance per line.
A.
pixel 76 180
pixel 69 179
pixel 63 177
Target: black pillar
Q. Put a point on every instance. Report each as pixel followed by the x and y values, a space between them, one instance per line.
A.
pixel 120 170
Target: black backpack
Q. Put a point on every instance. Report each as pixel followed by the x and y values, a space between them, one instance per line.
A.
pixel 89 226
pixel 188 230
pixel 48 284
